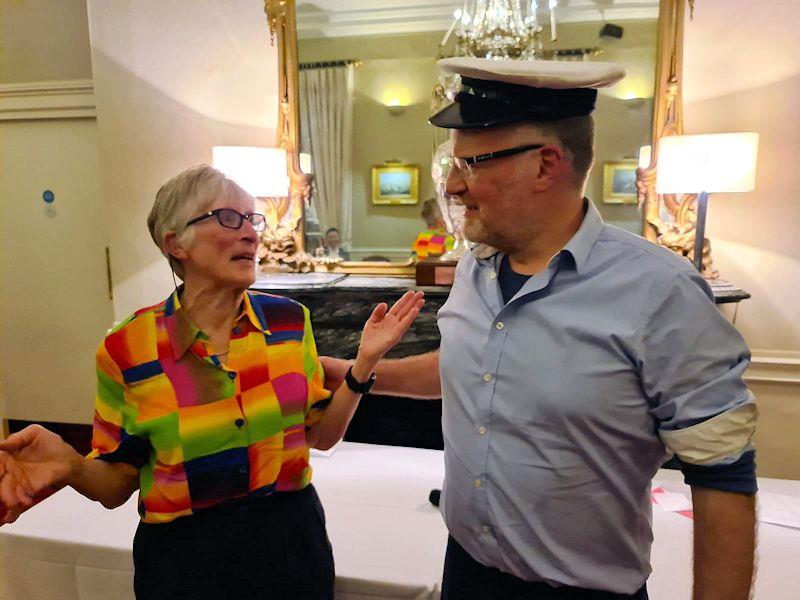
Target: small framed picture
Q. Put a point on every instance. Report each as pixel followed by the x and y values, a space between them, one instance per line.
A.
pixel 395 183
pixel 619 182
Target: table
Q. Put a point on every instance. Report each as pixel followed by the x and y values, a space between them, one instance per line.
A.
pixel 388 540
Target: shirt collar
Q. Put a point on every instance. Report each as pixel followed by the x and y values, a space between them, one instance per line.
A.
pixel 183 332
pixel 579 246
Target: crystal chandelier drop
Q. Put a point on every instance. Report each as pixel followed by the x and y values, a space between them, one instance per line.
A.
pixel 500 29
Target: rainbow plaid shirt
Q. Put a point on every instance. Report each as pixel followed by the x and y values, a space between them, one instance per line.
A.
pixel 199 431
pixel 432 242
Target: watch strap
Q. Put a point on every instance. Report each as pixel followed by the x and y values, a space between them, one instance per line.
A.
pixel 356 386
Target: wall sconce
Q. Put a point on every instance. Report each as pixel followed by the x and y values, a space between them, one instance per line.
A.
pixel 396 109
pixel 634 103
pixel 703 164
pixel 645 156
pixel 306 166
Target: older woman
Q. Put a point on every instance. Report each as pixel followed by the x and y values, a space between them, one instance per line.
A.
pixel 208 403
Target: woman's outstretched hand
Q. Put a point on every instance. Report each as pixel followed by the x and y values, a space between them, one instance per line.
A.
pixel 386 326
pixel 33 463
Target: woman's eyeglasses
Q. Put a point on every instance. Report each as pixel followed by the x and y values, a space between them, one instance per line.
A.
pixel 232 219
pixel 464 164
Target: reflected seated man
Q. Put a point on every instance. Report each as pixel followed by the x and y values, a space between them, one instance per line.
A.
pixel 332 242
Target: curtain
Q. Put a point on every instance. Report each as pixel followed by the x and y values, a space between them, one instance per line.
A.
pixel 326 131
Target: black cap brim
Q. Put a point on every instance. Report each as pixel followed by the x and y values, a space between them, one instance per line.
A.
pixel 466 115
pixel 490 103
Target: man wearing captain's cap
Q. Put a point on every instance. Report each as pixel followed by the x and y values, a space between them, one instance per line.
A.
pixel 575 357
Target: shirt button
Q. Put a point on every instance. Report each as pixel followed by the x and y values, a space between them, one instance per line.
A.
pixel 485 528
pixel 243 469
pixel 231 374
pixel 499 325
pixel 481 430
pixel 487 377
pixel 237 330
pixel 239 422
pixel 478 483
pixel 492 275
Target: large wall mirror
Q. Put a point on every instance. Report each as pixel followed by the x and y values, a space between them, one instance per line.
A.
pixel 365 75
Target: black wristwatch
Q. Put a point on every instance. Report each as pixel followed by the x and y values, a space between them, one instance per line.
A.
pixel 357 386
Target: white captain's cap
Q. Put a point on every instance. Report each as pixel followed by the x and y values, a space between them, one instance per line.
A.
pixel 499 92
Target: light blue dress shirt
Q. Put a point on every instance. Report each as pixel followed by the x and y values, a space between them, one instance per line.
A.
pixel 559 406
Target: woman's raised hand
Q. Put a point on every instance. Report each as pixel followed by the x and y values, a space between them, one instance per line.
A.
pixel 386 326
pixel 32 463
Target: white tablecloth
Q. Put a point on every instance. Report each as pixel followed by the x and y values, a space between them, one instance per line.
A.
pixel 388 540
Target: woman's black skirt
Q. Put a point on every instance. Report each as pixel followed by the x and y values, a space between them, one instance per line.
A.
pixel 273 547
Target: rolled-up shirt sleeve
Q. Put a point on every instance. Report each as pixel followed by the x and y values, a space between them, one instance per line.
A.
pixel 318 396
pixel 113 429
pixel 692 363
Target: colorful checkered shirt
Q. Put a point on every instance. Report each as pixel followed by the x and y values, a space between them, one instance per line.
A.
pixel 432 242
pixel 201 432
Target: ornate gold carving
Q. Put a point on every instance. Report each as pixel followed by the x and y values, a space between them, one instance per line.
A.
pixel 276 15
pixel 669 219
pixel 283 242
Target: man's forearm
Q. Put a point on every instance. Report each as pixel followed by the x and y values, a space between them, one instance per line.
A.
pixel 413 376
pixel 724 544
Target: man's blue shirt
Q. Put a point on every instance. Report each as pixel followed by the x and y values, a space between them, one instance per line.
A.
pixel 560 405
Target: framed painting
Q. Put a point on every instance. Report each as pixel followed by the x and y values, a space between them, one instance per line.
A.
pixel 619 182
pixel 395 183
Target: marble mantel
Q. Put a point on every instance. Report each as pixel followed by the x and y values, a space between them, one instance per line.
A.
pixel 340 305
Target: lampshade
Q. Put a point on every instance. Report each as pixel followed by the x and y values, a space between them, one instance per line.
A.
pixel 721 162
pixel 260 171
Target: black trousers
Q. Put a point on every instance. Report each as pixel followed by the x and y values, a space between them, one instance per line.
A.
pixel 274 547
pixel 467 579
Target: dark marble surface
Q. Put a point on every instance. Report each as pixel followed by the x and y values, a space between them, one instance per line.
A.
pixel 338 312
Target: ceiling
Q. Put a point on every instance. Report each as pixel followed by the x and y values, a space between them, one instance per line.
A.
pixel 333 18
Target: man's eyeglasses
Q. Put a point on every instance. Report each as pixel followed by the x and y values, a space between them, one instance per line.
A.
pixel 232 219
pixel 464 164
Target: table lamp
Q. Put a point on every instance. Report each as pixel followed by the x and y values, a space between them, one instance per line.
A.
pixel 260 171
pixel 704 164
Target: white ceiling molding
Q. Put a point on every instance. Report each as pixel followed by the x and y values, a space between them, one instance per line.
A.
pixel 324 18
pixel 71 99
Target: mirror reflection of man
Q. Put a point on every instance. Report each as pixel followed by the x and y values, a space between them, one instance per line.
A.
pixel 332 242
pixel 575 357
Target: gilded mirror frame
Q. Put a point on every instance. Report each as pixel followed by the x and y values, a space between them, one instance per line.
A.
pixel 667 120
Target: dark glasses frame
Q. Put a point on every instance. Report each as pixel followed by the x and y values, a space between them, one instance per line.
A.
pixel 464 163
pixel 257 220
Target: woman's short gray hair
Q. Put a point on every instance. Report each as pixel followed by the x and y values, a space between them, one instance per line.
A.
pixel 184 196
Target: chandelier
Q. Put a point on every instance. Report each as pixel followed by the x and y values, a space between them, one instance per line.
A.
pixel 498 29
pixel 506 29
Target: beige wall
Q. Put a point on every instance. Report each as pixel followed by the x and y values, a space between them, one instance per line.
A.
pixel 43 40
pixel 54 304
pixel 738 81
pixel 171 82
pixel 406 64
